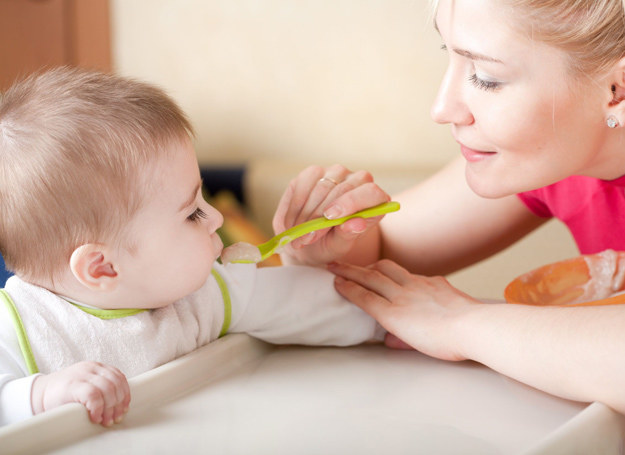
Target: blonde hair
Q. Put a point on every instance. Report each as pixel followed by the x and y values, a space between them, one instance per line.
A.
pixel 76 148
pixel 592 32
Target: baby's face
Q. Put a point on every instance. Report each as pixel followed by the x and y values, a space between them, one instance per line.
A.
pixel 174 240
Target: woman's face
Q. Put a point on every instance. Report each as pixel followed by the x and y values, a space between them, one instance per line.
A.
pixel 521 119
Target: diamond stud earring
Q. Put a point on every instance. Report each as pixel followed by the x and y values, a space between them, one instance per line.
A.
pixel 612 121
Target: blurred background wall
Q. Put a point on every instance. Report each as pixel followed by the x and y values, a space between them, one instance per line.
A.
pixel 35 34
pixel 327 81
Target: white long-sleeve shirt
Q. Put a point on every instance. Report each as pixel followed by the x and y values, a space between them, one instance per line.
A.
pixel 282 305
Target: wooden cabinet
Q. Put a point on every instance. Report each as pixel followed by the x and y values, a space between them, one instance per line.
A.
pixel 42 33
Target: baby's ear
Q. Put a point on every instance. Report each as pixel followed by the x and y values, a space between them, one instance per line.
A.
pixel 93 266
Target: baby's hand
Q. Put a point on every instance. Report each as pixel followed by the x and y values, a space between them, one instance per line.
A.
pixel 102 389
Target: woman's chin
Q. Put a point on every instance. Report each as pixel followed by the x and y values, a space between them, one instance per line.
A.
pixel 487 187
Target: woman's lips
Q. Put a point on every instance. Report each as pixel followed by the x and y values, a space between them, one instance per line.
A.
pixel 474 155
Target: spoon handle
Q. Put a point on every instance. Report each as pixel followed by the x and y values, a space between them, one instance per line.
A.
pixel 323 223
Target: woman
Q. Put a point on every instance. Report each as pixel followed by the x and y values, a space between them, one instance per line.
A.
pixel 534 94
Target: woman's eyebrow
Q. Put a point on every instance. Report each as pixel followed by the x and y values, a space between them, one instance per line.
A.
pixel 475 56
pixel 468 54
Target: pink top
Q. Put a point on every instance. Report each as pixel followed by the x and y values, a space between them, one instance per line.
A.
pixel 593 210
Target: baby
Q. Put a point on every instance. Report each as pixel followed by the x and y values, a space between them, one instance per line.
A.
pixel 114 250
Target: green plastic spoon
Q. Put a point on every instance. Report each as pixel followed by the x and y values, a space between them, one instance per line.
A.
pixel 243 252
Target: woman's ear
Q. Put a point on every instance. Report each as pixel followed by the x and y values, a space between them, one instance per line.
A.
pixel 93 266
pixel 616 105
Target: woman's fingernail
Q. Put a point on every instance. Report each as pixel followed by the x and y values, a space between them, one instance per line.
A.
pixel 333 212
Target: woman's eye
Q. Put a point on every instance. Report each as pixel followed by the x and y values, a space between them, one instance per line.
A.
pixel 482 84
pixel 196 215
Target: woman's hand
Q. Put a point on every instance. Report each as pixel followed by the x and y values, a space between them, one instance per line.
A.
pixel 102 389
pixel 332 192
pixel 417 311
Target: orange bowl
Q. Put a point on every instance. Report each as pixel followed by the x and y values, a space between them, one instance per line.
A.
pixel 594 279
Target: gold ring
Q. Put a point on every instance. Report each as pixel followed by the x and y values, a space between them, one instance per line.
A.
pixel 328 179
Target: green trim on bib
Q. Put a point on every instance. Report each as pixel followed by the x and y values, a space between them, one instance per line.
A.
pixel 22 338
pixel 227 302
pixel 24 344
pixel 109 314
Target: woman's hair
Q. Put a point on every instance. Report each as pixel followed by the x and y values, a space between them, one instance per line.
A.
pixel 76 149
pixel 592 32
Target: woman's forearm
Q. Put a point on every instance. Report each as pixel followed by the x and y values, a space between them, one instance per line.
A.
pixel 574 353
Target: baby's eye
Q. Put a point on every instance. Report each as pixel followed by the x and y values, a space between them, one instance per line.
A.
pixel 196 215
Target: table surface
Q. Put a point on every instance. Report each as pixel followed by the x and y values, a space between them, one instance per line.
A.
pixel 304 400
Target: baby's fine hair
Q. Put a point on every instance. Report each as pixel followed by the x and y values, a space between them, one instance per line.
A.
pixel 76 150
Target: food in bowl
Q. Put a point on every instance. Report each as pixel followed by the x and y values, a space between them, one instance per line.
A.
pixel 583 280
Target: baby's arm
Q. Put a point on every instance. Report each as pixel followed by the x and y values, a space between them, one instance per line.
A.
pixel 297 305
pixel 15 382
pixel 102 389
pixel 15 391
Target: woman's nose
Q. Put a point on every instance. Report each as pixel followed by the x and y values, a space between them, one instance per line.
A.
pixel 449 105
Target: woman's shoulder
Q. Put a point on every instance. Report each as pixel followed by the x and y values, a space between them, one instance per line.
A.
pixel 565 196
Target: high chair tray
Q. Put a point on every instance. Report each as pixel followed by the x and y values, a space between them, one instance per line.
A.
pixel 239 395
